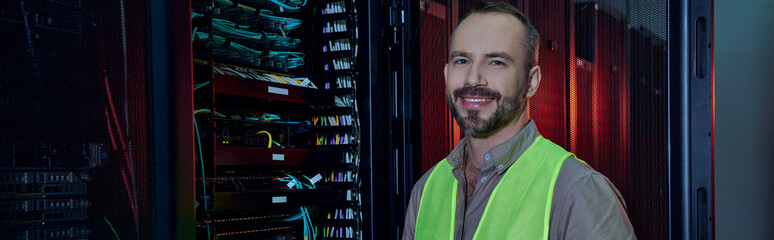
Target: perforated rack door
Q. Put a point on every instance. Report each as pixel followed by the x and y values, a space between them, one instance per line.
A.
pixel 76 128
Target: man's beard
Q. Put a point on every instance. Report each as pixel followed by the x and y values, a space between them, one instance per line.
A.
pixel 508 109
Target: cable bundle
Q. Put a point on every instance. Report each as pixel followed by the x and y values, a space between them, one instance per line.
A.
pixel 292 5
pixel 235 52
pixel 244 34
pixel 309 231
pixel 252 16
pixel 280 24
pixel 288 59
pixel 263 76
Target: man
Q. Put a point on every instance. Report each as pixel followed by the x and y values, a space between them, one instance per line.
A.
pixel 503 180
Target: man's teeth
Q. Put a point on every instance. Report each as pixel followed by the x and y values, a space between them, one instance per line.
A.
pixel 478 100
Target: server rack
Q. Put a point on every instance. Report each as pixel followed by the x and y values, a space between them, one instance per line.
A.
pixel 277 119
pixel 78 132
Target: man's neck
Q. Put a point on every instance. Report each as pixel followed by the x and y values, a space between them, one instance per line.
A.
pixel 478 146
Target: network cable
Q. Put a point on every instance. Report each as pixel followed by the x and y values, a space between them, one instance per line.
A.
pixel 232 29
pixel 309 231
pixel 267 133
pixel 201 160
pixel 240 6
pixel 287 6
pixel 240 32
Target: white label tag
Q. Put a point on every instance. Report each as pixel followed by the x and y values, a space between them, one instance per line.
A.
pixel 276 90
pixel 278 157
pixel 279 199
pixel 316 178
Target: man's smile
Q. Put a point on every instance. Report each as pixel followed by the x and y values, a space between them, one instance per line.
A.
pixel 475 101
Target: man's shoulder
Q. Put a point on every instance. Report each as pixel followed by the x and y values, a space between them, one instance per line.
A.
pixel 573 170
pixel 577 175
pixel 586 205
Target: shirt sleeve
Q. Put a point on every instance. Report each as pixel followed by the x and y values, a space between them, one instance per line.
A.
pixel 592 208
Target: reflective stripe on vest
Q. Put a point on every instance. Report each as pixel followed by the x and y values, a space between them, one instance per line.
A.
pixel 521 200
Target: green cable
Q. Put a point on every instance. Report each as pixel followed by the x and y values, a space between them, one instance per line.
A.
pixel 276 143
pixel 197 86
pixel 111 228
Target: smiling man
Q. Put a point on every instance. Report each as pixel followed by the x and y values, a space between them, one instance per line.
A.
pixel 503 180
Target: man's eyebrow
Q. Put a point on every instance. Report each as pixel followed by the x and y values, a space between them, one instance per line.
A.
pixel 500 55
pixel 459 54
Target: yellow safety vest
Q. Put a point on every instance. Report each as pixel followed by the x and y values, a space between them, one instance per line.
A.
pixel 519 207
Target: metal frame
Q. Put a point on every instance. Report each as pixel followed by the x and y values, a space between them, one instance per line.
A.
pixel 171 66
pixel 690 120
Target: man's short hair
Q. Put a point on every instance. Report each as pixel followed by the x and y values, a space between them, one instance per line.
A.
pixel 533 38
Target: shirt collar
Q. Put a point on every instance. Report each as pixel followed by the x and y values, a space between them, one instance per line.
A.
pixel 505 154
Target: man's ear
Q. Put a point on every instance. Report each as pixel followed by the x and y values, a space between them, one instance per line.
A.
pixel 534 80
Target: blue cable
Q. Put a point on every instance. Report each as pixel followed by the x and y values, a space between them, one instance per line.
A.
pixel 235 184
pixel 197 86
pixel 310 181
pixel 309 232
pixel 288 7
pixel 201 160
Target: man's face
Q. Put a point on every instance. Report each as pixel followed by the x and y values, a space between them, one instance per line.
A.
pixel 485 74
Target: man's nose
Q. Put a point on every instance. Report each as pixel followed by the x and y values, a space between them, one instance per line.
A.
pixel 474 77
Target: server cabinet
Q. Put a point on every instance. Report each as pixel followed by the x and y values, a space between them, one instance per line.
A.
pixel 277 119
pixel 81 135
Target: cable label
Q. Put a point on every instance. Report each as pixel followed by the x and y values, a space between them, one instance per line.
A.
pixel 278 157
pixel 276 90
pixel 279 199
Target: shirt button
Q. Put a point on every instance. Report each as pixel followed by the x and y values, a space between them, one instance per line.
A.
pixel 483 179
pixel 487 156
pixel 500 167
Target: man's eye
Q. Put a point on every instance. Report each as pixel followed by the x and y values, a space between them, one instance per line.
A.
pixel 500 63
pixel 461 61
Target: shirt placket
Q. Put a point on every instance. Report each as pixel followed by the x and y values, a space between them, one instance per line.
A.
pixel 479 196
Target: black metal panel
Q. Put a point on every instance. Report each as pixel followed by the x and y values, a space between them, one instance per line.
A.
pixel 700 84
pixel 372 101
pixel 679 145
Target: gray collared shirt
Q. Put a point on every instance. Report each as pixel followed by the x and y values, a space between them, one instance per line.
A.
pixel 586 205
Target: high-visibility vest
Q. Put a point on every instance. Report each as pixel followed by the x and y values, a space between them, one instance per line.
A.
pixel 520 204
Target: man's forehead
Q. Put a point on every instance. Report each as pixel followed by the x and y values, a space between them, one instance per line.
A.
pixel 486 33
pixel 489 21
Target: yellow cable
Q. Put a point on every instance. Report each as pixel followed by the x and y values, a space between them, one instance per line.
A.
pixel 267 133
pixel 278 78
pixel 201 110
